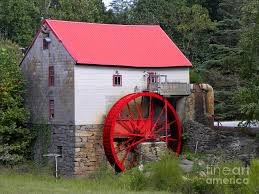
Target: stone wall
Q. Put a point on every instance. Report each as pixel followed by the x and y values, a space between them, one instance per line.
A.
pixel 151 151
pixel 80 147
pixel 55 139
pixel 89 153
pixel 195 107
pixel 221 144
pixel 63 143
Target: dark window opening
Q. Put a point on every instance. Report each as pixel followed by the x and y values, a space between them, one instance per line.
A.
pixel 117 80
pixel 46 41
pixel 51 76
pixel 59 150
pixel 51 109
pixel 152 78
pixel 45 44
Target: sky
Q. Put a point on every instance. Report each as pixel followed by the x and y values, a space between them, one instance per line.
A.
pixel 107 2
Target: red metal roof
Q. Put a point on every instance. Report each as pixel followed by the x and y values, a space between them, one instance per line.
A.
pixel 118 45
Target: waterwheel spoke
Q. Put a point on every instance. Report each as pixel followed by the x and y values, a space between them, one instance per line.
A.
pixel 150 113
pixel 163 127
pixel 124 143
pixel 132 145
pixel 139 109
pixel 164 138
pixel 129 110
pixel 129 117
pixel 172 122
pixel 130 134
pixel 160 129
pixel 158 118
pixel 140 115
pixel 125 156
pixel 124 125
pixel 166 119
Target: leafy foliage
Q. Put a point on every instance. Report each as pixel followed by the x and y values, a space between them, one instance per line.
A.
pixel 19 20
pixel 14 136
pixel 248 96
pixel 80 10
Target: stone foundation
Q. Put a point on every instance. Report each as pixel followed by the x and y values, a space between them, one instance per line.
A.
pixel 62 142
pixel 55 139
pixel 89 153
pixel 151 151
pixel 80 148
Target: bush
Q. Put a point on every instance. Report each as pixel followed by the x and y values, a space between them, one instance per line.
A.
pixel 15 137
pixel 253 186
pixel 166 174
pixel 195 77
pixel 163 175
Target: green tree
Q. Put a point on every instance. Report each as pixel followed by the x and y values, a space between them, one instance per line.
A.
pixel 119 6
pixel 120 10
pixel 194 24
pixel 221 66
pixel 188 25
pixel 78 10
pixel 15 138
pixel 248 96
pixel 19 20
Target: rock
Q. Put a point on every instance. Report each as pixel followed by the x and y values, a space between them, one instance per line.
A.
pixel 186 162
pixel 186 165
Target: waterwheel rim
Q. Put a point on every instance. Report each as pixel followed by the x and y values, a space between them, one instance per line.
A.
pixel 138 118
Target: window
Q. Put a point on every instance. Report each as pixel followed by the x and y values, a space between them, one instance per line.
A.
pixel 152 78
pixel 46 41
pixel 59 150
pixel 51 109
pixel 45 44
pixel 51 76
pixel 117 80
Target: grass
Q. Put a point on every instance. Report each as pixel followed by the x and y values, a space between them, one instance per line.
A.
pixel 24 183
pixel 163 176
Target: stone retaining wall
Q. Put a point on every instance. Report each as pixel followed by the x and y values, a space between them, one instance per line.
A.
pixel 221 144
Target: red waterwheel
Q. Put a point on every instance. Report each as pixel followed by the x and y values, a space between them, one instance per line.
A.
pixel 137 118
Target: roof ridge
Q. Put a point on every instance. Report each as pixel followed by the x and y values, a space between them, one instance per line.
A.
pixel 94 23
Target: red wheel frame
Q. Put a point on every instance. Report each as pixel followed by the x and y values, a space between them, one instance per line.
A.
pixel 137 118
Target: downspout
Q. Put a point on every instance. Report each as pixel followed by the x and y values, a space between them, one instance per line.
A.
pixel 209 98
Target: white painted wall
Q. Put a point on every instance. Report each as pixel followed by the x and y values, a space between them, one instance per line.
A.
pixel 95 94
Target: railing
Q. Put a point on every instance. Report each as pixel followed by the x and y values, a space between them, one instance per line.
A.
pixel 171 88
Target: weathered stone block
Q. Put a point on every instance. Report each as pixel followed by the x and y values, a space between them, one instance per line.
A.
pixel 151 151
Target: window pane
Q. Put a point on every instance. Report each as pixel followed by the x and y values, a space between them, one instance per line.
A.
pixel 51 109
pixel 117 80
pixel 51 76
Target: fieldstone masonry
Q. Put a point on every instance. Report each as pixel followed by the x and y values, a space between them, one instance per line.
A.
pixel 221 144
pixel 63 141
pixel 89 153
pixel 151 151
